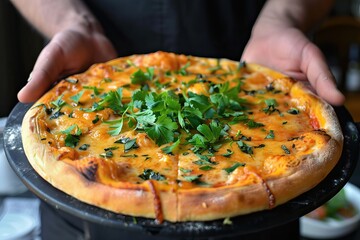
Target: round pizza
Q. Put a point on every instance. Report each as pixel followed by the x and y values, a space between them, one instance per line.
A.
pixel 181 138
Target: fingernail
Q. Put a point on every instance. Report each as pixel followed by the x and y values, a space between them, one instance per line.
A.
pixel 30 77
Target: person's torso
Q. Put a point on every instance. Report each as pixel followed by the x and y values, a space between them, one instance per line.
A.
pixel 207 28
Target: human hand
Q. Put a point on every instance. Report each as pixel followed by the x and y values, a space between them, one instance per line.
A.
pixel 68 52
pixel 290 52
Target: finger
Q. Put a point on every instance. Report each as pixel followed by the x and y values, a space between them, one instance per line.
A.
pixel 46 71
pixel 313 64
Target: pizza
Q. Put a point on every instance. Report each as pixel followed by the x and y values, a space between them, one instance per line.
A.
pixel 181 138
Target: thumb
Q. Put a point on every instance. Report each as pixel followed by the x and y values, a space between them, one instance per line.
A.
pixel 313 64
pixel 46 71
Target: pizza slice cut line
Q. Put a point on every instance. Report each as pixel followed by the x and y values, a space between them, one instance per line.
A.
pixel 181 138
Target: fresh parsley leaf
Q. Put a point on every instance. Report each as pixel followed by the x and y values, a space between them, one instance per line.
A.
pixel 183 170
pixel 286 150
pixel 72 137
pixel 84 147
pixel 260 146
pixel 171 148
pixel 95 89
pixel 113 100
pixel 130 144
pixel 71 129
pixel 271 135
pixel 192 178
pixel 72 80
pixel 140 77
pixel 58 103
pixel 204 160
pixel 271 105
pixel 56 115
pixel 215 68
pixel 228 153
pixel 162 131
pixel 206 168
pixel 211 132
pixel 107 154
pixel 252 124
pixel 182 71
pixel 76 97
pixel 233 167
pixel 96 119
pixel 116 126
pixel 293 111
pixel 150 174
pixel 244 147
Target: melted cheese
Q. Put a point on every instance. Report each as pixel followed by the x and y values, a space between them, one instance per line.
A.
pixel 271 156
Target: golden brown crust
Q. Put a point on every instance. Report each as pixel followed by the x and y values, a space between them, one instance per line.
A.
pixel 209 204
pixel 267 180
pixel 135 200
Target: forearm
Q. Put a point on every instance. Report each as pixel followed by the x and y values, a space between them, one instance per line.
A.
pixel 52 16
pixel 301 14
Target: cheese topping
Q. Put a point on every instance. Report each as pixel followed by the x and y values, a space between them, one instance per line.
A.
pixel 177 120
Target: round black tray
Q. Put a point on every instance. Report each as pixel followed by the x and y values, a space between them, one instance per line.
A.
pixel 245 224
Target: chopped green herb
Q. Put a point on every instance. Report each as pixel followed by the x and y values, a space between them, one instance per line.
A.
pixel 76 97
pixel 131 144
pixel 84 147
pixel 72 80
pixel 150 174
pixel 233 167
pixel 140 77
pixel 56 115
pixel 217 67
pixel 72 137
pixel 228 153
pixel 204 160
pixel 129 155
pixel 252 124
pixel 293 111
pixel 162 131
pixel 58 103
pixel 182 71
pixel 107 154
pixel 183 170
pixel 122 140
pixel 227 221
pixel 271 105
pixel 244 147
pixel 192 178
pixel 286 150
pixel 271 135
pixel 111 148
pixel 171 148
pixel 260 146
pixel 113 100
pixel 95 89
pixel 206 168
pixel 96 119
pixel 116 126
